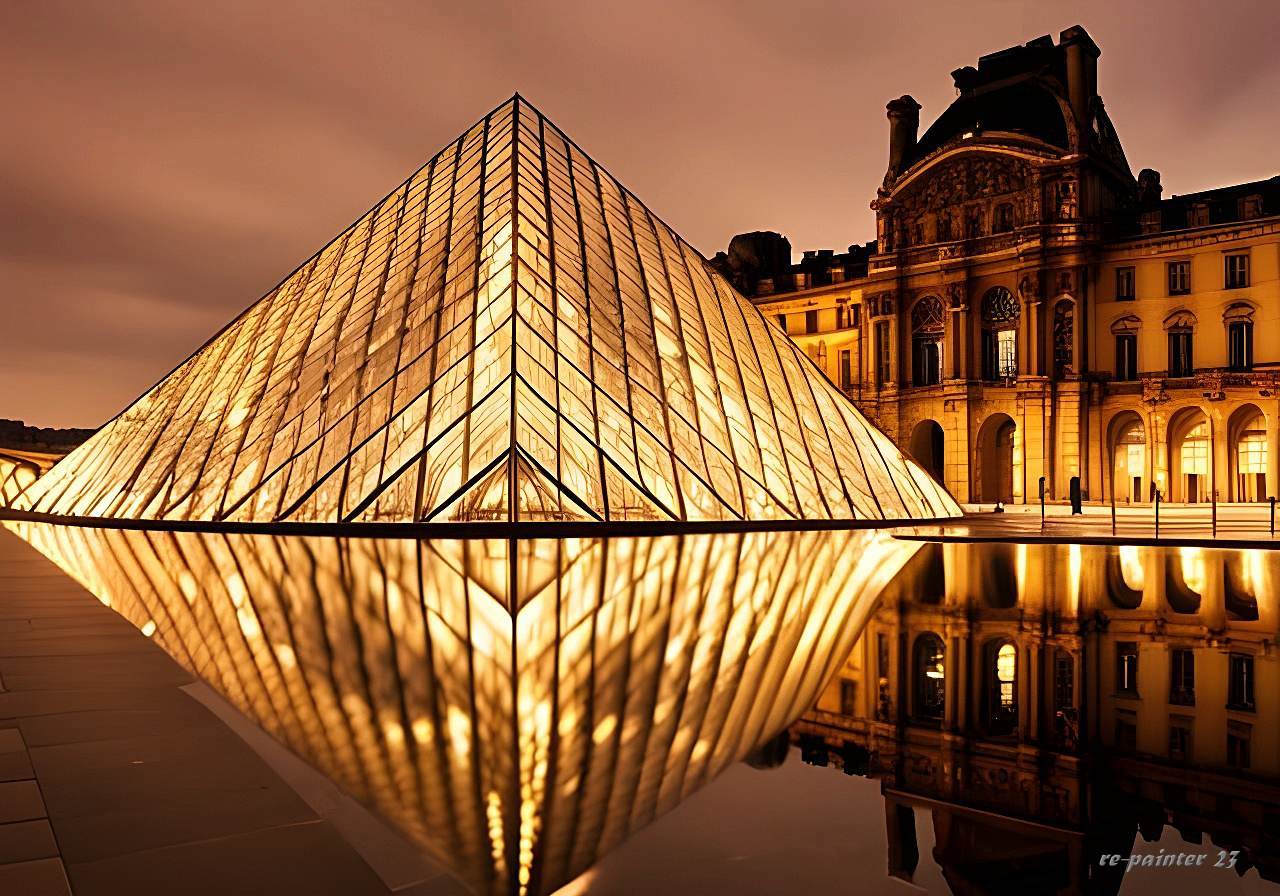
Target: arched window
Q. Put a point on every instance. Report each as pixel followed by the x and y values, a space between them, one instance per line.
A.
pixel 1130 459
pixel 926 342
pixel 1247 430
pixel 1002 687
pixel 1064 336
pixel 1193 454
pixel 1000 312
pixel 1126 576
pixel 930 677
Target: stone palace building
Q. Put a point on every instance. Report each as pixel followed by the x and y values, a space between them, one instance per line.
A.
pixel 1032 309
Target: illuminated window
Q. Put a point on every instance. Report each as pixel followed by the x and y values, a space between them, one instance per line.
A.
pixel 1252 452
pixel 1000 313
pixel 930 677
pixel 1194 451
pixel 1003 694
pixel 1251 461
pixel 926 342
pixel 1131 567
pixel 1006 666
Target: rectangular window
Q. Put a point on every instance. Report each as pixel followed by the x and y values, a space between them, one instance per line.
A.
pixel 782 322
pixel 1179 278
pixel 841 316
pixel 1127 668
pixel 1237 275
pixel 846 368
pixel 1182 678
pixel 1240 345
pixel 1064 703
pixel 848 697
pixel 883 370
pixel 1007 352
pixel 1126 356
pixel 1180 739
pixel 811 321
pixel 855 315
pixel 1126 734
pixel 1180 361
pixel 1125 285
pixel 1240 682
pixel 884 700
pixel 1238 741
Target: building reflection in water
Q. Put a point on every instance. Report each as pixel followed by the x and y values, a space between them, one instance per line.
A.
pixel 517 707
pixel 1047 705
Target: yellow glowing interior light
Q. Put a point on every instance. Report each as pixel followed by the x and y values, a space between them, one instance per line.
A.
pixel 1193 573
pixel 1131 567
pixel 540 386
pixel 1006 662
pixel 149 627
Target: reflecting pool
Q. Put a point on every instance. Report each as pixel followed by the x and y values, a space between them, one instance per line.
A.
pixel 516 707
pixel 833 711
pixel 1028 710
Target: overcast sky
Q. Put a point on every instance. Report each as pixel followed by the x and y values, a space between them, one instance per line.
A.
pixel 164 163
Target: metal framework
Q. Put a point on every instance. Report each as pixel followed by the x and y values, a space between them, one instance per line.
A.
pixel 510 335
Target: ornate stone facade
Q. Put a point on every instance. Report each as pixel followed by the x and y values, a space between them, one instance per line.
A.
pixel 1076 300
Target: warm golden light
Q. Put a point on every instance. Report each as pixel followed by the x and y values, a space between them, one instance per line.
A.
pixel 510 335
pixel 645 666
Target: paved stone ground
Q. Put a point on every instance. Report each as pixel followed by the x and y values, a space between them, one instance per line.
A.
pixel 115 781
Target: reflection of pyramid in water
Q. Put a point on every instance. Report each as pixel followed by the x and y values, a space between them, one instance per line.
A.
pixel 510 335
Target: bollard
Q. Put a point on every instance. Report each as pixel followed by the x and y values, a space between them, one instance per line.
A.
pixel 1041 505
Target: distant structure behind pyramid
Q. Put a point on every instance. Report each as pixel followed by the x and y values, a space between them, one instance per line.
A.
pixel 510 335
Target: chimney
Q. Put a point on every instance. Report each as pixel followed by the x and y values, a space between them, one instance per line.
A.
pixel 1082 72
pixel 904 124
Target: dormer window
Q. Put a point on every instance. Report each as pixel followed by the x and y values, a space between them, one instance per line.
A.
pixel 1250 207
pixel 1198 214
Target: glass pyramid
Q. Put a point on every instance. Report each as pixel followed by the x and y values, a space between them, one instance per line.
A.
pixel 510 336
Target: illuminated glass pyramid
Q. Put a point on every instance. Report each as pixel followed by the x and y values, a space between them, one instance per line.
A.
pixel 508 336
